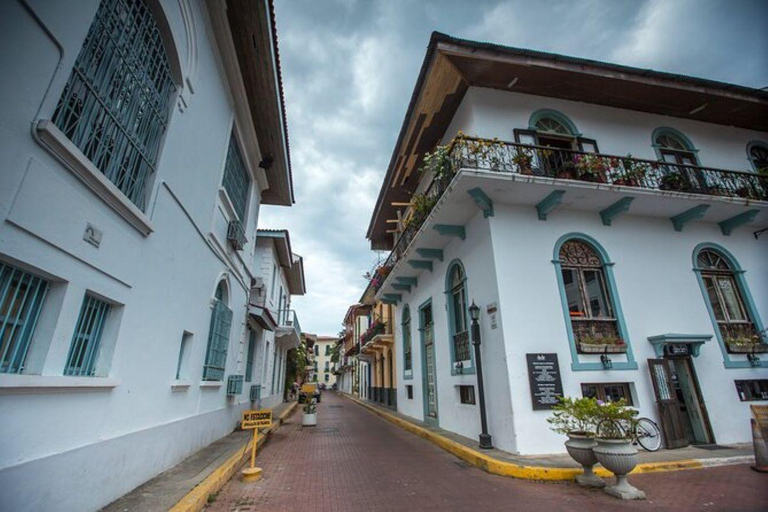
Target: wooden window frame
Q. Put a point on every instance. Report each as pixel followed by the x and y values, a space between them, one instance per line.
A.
pixel 467 395
pixel 601 394
pixel 745 393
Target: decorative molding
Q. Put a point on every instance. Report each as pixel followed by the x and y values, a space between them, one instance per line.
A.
pixel 22 384
pixel 695 340
pixel 549 203
pixel 482 201
pixel 435 254
pixel 616 209
pixel 728 225
pixel 680 220
pixel 422 264
pixel 401 287
pixel 451 230
pixel 393 296
pixel 413 281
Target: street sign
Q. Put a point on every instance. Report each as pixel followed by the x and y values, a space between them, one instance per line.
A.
pixel 308 388
pixel 256 419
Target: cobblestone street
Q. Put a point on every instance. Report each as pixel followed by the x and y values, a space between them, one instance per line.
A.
pixel 355 461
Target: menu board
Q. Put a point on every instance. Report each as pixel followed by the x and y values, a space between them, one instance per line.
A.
pixel 544 376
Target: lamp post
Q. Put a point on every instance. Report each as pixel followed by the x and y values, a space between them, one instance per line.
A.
pixel 485 437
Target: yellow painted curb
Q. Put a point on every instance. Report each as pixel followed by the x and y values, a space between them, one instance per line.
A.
pixel 510 469
pixel 196 499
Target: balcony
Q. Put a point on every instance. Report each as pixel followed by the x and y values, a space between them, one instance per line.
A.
pixel 288 328
pixel 476 172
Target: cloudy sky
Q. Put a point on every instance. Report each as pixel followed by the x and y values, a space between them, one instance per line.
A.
pixel 349 67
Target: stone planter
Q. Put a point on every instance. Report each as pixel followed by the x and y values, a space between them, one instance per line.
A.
pixel 580 449
pixel 309 419
pixel 619 457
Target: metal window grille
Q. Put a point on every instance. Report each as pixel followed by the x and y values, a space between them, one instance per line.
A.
pixel 21 299
pixel 255 392
pixel 236 181
pixel 235 385
pixel 249 360
pixel 218 342
pixel 87 338
pixel 115 106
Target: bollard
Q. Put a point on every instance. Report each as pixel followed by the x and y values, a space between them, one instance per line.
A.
pixel 761 448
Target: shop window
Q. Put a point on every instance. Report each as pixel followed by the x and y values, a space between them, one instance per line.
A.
pixel 608 392
pixel 752 390
pixel 467 395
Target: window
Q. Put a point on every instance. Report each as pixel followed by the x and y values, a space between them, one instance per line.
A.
pixel 21 299
pixel 327 377
pixel 218 336
pixel 752 390
pixel 86 340
pixel 249 356
pixel 673 147
pixel 457 296
pixel 409 391
pixel 467 395
pixel 612 392
pixel 236 181
pixel 725 298
pixel 407 338
pixel 327 350
pixel 181 365
pixel 116 103
pixel 758 156
pixel 327 365
pixel 317 350
pixel 589 304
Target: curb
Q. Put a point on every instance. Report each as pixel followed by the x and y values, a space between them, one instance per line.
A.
pixel 196 499
pixel 509 469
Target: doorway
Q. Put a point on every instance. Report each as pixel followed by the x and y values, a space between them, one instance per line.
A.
pixel 429 371
pixel 682 411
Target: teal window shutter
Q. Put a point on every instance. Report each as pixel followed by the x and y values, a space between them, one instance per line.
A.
pixel 249 359
pixel 86 340
pixel 218 342
pixel 117 101
pixel 236 182
pixel 21 299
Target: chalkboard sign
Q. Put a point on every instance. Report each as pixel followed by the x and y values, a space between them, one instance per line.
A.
pixel 544 376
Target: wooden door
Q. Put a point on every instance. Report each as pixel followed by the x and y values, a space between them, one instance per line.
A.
pixel 666 399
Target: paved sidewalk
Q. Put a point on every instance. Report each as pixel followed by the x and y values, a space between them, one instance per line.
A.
pixel 356 461
pixel 166 489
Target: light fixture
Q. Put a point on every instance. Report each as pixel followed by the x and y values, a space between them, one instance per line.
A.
pixel 607 363
pixel 474 312
pixel 753 359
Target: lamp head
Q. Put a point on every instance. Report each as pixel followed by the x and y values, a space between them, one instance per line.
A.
pixel 474 312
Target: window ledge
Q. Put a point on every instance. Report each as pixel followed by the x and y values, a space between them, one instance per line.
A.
pixel 180 385
pixel 211 384
pixel 52 139
pixel 228 206
pixel 11 384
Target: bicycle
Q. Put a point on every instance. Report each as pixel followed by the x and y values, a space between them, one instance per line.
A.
pixel 642 431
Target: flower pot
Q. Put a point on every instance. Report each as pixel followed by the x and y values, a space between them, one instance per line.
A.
pixel 747 348
pixel 309 419
pixel 526 170
pixel 619 457
pixel 580 447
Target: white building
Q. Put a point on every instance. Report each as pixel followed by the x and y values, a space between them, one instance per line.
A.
pixel 620 267
pixel 323 354
pixel 139 140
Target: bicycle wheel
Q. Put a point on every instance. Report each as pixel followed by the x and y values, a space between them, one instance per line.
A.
pixel 610 429
pixel 647 434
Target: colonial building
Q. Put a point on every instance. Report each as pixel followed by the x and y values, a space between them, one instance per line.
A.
pixel 378 351
pixel 324 353
pixel 609 223
pixel 140 311
pixel 353 377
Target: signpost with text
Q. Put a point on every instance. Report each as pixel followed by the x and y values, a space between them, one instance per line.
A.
pixel 254 420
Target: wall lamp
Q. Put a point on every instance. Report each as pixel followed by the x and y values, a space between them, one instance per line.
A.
pixel 607 363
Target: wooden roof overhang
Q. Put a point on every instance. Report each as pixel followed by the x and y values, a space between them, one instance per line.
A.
pixel 252 25
pixel 452 65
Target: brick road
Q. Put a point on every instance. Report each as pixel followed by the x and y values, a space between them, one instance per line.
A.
pixel 356 461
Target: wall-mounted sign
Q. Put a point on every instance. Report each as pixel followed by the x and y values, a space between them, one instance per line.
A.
pixel 544 377
pixel 256 419
pixel 92 235
pixel 677 349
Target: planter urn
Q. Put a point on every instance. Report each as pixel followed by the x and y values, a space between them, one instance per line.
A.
pixel 619 457
pixel 580 447
pixel 309 419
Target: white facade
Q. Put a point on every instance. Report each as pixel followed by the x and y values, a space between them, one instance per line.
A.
pixel 79 442
pixel 323 356
pixel 509 260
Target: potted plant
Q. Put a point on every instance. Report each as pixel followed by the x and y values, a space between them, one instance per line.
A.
pixel 633 172
pixel 575 417
pixel 309 418
pixel 591 168
pixel 523 162
pixel 614 449
pixel 746 345
pixel 602 345
pixel 671 180
pixel 567 171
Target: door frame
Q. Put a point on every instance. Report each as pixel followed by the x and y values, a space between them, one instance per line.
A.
pixel 424 378
pixel 707 424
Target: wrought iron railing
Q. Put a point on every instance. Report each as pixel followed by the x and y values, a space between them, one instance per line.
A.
pixel 461 346
pixel 288 318
pixel 514 158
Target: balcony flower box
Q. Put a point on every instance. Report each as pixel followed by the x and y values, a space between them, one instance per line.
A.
pixel 602 348
pixel 737 347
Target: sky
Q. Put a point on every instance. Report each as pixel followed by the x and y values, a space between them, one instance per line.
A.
pixel 349 68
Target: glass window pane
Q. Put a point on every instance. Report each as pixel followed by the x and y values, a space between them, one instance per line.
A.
pixel 573 293
pixel 596 295
pixel 714 300
pixel 731 297
pixel 458 311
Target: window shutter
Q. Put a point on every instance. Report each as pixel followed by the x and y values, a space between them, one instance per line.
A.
pixel 218 342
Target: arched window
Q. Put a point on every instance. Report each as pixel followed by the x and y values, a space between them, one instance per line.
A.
pixel 726 300
pixel 407 357
pixel 117 101
pixel 552 126
pixel 590 306
pixel 457 315
pixel 758 156
pixel 218 336
pixel 674 147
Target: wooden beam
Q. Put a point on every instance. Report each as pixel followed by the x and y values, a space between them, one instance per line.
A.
pixel 450 230
pixel 434 254
pixel 397 203
pixel 482 201
pixel 408 280
pixel 728 225
pixel 549 203
pixel 616 209
pixel 681 219
pixel 424 264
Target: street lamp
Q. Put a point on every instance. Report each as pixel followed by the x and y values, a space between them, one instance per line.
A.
pixel 474 314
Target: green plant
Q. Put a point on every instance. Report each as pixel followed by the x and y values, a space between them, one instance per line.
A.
pixel 591 167
pixel 438 162
pixel 310 407
pixel 605 340
pixel 615 420
pixel 574 416
pixel 522 160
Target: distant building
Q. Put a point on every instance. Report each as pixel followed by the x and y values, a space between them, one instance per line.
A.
pixel 587 209
pixel 140 310
pixel 323 354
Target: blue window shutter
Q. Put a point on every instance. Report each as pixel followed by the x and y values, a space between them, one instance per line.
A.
pixel 218 342
pixel 249 357
pixel 86 340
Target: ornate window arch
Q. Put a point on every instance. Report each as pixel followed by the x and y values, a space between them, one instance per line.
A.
pixel 218 335
pixel 672 146
pixel 737 324
pixel 757 152
pixel 593 315
pixel 458 326
pixel 117 102
pixel 552 122
pixel 407 342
